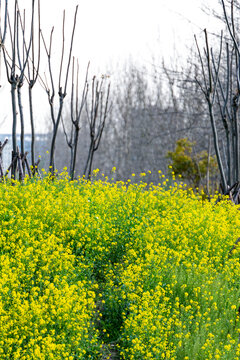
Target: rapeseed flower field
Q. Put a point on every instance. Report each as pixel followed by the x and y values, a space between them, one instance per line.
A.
pixel 85 265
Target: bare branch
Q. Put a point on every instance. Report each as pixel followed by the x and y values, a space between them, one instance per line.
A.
pixel 231 32
pixel 4 31
pixel 71 47
pixel 201 62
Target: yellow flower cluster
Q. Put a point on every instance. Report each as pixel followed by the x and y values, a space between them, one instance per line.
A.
pixel 47 301
pixel 84 264
pixel 177 283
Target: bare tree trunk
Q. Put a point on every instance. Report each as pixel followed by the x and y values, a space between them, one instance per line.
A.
pixel 14 128
pixel 32 126
pixel 236 132
pixel 20 106
pixel 209 89
pixel 216 146
pixel 54 136
pixel 208 167
pixel 88 165
pixel 1 161
pixel 19 164
pixel 74 154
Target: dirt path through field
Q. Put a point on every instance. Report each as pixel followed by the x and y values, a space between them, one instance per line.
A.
pixel 112 352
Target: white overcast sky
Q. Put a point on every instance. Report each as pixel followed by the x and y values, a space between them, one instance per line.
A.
pixel 111 31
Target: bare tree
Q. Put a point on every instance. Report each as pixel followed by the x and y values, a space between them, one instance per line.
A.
pixel 62 88
pixel 15 68
pixel 96 118
pixel 220 85
pixel 31 77
pixel 76 112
